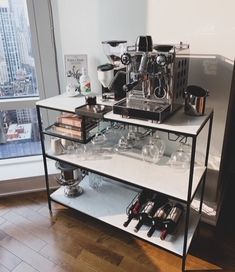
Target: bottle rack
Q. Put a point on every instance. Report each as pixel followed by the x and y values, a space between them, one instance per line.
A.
pixel 123 184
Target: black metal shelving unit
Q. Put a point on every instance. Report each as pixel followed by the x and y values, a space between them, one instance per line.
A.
pixel 184 192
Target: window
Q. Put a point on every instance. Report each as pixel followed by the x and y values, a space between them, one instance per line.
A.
pixel 18 127
pixel 27 73
pixel 32 67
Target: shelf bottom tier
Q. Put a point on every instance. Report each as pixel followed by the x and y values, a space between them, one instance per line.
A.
pixel 109 205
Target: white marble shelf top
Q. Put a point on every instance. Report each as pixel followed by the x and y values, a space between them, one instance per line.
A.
pixel 178 122
pixel 159 177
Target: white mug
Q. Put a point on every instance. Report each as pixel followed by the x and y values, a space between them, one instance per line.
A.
pixel 72 90
pixel 65 143
pixel 56 146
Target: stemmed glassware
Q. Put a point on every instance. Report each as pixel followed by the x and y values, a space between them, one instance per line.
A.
pixel 159 142
pixel 180 159
pixel 127 140
pixel 150 152
pixel 99 137
pixel 154 150
pixel 98 140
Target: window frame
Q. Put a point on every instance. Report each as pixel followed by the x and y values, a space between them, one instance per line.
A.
pixel 44 52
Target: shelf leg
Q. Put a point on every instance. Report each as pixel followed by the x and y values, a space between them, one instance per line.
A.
pixel 44 157
pixel 50 211
pixel 206 161
pixel 183 263
pixel 188 202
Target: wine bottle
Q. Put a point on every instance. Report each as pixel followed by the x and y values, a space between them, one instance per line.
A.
pixel 158 217
pixel 149 209
pixel 172 220
pixel 136 207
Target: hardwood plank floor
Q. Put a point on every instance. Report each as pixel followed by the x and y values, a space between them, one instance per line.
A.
pixel 31 240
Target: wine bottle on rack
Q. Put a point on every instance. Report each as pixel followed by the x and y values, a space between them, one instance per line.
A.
pixel 149 209
pixel 158 217
pixel 172 220
pixel 135 208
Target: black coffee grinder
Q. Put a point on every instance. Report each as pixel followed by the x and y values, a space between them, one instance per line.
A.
pixel 112 76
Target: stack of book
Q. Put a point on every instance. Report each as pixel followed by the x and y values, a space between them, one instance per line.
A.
pixel 70 125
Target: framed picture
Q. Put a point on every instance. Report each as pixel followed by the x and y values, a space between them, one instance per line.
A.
pixel 73 67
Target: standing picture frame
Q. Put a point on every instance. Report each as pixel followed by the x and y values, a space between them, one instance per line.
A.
pixel 73 68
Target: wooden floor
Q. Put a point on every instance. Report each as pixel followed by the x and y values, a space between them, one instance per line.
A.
pixel 31 240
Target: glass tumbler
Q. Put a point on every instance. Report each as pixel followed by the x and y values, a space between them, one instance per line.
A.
pixel 95 181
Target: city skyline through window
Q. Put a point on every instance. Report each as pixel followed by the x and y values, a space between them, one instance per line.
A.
pixel 18 127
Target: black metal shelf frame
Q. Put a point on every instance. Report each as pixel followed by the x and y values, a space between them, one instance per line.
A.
pixel 190 181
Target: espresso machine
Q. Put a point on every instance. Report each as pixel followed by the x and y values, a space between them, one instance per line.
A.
pixel 156 78
pixel 112 75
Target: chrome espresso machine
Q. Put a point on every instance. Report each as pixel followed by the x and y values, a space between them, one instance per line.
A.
pixel 156 78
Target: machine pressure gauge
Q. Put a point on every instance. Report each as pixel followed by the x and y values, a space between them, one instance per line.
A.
pixel 161 60
pixel 160 92
pixel 126 59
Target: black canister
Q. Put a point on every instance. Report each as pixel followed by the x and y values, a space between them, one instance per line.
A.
pixel 144 44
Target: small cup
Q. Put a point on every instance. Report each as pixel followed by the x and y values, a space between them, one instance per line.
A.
pixel 72 90
pixel 56 146
pixel 95 181
pixel 90 100
pixel 66 143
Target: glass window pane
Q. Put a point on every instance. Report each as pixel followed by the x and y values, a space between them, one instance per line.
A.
pixel 17 68
pixel 19 133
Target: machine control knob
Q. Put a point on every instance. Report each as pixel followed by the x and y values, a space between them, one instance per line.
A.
pixel 126 59
pixel 130 86
pixel 161 60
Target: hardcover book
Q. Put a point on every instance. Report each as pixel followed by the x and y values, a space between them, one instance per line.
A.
pixel 70 119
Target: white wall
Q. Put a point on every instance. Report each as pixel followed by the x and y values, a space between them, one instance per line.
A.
pixel 208 25
pixel 80 27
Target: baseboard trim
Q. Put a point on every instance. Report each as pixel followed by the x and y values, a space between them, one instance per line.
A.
pixel 26 185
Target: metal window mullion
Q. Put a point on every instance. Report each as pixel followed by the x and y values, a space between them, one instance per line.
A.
pixel 14 104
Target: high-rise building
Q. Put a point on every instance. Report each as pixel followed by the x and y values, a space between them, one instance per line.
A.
pixel 9 41
pixel 3 67
pixel 22 29
pixel 3 73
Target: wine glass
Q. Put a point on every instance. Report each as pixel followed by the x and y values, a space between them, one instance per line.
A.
pixel 80 150
pixel 99 137
pixel 180 159
pixel 151 152
pixel 127 140
pixel 132 136
pixel 156 140
pixel 98 140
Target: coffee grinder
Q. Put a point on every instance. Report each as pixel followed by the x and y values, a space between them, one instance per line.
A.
pixel 112 75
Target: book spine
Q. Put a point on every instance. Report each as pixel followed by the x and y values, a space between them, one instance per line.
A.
pixel 68 132
pixel 76 122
